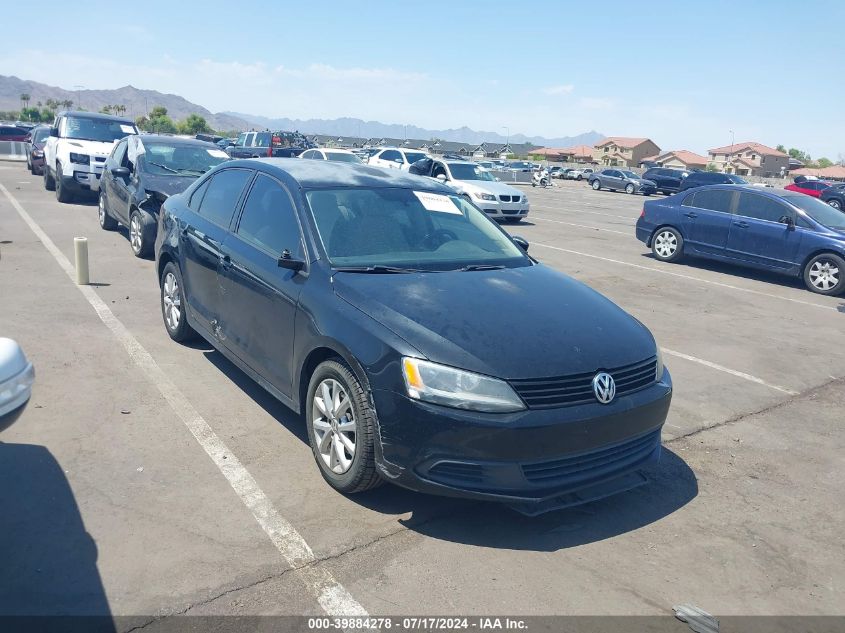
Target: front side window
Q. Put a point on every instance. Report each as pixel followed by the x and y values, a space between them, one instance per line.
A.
pixel 222 195
pixel 269 220
pixel 390 154
pixel 90 129
pixel 752 205
pixel 410 229
pixel 262 139
pixel 118 153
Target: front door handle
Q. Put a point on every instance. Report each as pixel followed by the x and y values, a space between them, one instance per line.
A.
pixel 691 215
pixel 742 225
pixel 225 262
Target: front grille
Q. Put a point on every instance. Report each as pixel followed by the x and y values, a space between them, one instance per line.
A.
pixel 560 391
pixel 594 464
pixel 100 159
pixel 515 198
pixel 457 472
pixel 505 198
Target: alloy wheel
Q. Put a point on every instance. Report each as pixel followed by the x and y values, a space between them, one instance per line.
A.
pixel 835 204
pixel 101 211
pixel 824 274
pixel 665 244
pixel 135 235
pixel 333 422
pixel 172 298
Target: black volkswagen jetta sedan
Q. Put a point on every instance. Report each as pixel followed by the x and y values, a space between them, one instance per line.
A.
pixel 420 342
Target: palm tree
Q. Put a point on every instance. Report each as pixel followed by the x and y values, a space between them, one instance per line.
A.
pixel 67 103
pixel 106 109
pixel 39 104
pixel 25 99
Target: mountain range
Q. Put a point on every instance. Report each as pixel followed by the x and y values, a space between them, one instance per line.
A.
pixel 138 102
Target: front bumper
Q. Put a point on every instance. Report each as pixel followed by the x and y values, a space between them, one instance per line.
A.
pixel 646 189
pixel 500 209
pixel 537 459
pixel 85 177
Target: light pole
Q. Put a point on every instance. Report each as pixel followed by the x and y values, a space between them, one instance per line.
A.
pixel 78 100
pixel 732 147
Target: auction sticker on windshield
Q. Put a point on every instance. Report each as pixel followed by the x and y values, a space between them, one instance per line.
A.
pixel 127 128
pixel 437 202
pixel 217 153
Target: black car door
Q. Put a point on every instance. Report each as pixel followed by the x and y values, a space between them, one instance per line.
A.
pixel 201 234
pixel 107 179
pixel 259 298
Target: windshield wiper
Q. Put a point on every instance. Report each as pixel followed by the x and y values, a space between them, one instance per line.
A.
pixel 379 269
pixel 170 169
pixel 471 267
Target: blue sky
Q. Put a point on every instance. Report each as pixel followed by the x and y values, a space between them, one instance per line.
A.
pixel 682 74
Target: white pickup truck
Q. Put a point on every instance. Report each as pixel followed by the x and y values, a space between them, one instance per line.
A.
pixel 76 151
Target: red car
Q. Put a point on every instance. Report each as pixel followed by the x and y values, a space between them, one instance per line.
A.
pixel 12 133
pixel 810 187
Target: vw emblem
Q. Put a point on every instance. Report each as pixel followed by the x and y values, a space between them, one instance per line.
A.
pixel 604 387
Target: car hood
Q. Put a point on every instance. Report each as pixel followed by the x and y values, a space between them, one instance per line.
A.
pixel 524 322
pixel 167 186
pixel 93 148
pixel 487 186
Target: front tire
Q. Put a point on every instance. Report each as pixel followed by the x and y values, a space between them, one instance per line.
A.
pixel 835 204
pixel 667 245
pixel 596 185
pixel 825 274
pixel 62 193
pixel 173 305
pixel 141 233
pixel 107 223
pixel 341 428
pixel 630 189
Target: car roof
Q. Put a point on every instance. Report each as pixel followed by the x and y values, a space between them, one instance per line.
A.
pixel 337 150
pixel 327 174
pixel 164 139
pixel 95 115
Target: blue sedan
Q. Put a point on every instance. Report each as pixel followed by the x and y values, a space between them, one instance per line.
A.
pixel 781 231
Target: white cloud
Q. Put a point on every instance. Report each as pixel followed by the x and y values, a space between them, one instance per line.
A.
pixel 562 89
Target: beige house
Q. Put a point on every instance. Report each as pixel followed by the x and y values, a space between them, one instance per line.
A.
pixel 749 159
pixel 620 151
pixel 681 159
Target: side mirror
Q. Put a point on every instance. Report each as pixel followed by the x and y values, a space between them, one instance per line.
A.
pixel 54 131
pixel 441 177
pixel 120 172
pixel 521 242
pixel 288 262
pixel 397 160
pixel 16 379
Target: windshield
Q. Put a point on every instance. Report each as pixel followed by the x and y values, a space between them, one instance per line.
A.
pixel 40 134
pixel 409 229
pixel 629 174
pixel 822 213
pixel 103 130
pixel 343 157
pixel 161 159
pixel 413 157
pixel 464 171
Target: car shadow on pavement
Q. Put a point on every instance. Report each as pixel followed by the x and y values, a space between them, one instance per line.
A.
pixel 672 484
pixel 48 561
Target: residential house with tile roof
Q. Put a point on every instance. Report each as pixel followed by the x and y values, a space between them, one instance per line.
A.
pixel 623 151
pixel 749 159
pixel 680 159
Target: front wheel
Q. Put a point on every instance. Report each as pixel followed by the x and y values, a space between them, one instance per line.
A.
pixel 62 193
pixel 49 181
pixel 667 244
pixel 141 233
pixel 824 274
pixel 579 177
pixel 596 185
pixel 630 189
pixel 341 428
pixel 835 204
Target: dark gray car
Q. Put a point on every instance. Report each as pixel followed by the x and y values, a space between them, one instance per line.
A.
pixel 622 180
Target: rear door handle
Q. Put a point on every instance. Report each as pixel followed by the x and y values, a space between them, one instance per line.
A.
pixel 691 215
pixel 742 225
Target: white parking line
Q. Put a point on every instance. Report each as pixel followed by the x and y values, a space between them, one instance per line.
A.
pixel 607 215
pixel 732 372
pixel 330 594
pixel 583 226
pixel 682 276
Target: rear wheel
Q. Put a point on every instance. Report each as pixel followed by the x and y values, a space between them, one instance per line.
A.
pixel 173 305
pixel 667 244
pixel 825 274
pixel 107 223
pixel 596 185
pixel 341 428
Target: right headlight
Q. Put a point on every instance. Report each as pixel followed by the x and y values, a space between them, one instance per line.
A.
pixel 457 388
pixel 484 196
pixel 658 374
pixel 80 159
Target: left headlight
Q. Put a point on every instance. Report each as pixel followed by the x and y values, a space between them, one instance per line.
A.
pixel 80 159
pixel 484 196
pixel 456 388
pixel 658 374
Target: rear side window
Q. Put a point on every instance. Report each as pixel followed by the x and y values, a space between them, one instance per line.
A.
pixel 752 205
pixel 222 195
pixel 712 199
pixel 262 139
pixel 269 220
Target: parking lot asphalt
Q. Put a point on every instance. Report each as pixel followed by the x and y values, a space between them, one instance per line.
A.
pixel 113 501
